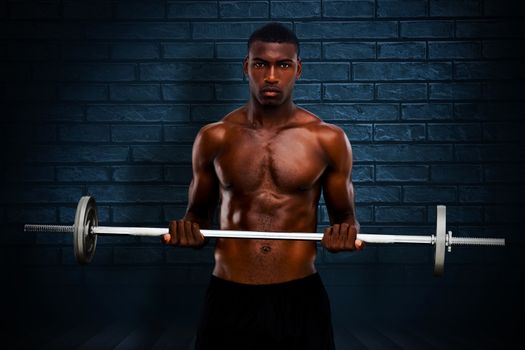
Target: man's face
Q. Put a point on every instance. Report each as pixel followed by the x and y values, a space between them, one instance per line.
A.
pixel 272 69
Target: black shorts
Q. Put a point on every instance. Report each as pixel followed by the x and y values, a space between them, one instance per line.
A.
pixel 289 315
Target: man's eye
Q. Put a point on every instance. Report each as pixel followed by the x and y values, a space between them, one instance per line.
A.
pixel 258 65
pixel 285 65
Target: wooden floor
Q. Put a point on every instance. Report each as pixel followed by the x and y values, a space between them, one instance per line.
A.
pixel 133 335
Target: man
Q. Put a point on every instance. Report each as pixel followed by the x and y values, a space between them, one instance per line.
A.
pixel 264 165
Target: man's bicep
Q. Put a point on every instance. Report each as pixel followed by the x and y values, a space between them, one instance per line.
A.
pixel 338 193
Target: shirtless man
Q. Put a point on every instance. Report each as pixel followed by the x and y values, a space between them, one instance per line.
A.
pixel 264 165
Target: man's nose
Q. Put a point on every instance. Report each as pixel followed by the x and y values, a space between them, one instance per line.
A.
pixel 270 75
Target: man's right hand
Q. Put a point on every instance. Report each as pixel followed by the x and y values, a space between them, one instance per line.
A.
pixel 184 233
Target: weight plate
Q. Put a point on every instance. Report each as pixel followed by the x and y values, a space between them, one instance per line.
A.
pixel 84 241
pixel 440 245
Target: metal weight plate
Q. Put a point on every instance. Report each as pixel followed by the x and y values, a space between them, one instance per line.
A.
pixel 84 241
pixel 440 245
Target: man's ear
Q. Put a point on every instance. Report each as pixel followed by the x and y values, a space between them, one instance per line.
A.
pixel 245 65
pixel 299 69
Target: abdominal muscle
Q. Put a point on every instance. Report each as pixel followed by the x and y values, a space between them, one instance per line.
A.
pixel 254 261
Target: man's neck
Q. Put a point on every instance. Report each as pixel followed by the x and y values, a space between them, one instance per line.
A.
pixel 268 117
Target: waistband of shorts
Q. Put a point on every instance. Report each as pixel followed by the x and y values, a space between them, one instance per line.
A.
pixel 313 279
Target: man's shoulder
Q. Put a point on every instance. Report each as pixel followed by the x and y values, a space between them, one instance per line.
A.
pixel 217 130
pixel 319 126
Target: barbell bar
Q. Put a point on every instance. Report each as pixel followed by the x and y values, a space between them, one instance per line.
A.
pixel 86 229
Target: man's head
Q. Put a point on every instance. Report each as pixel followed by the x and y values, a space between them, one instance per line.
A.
pixel 272 64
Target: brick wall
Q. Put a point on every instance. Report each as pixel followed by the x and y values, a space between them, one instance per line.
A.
pixel 105 97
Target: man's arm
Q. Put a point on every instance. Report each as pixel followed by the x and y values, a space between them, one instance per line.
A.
pixel 338 192
pixel 203 192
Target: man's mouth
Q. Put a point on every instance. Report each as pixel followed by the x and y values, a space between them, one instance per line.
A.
pixel 270 91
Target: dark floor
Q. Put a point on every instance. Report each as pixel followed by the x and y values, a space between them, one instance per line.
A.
pixel 156 336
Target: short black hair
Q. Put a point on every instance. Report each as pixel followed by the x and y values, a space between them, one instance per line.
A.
pixel 274 32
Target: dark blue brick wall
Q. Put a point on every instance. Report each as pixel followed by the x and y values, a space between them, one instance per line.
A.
pixel 105 98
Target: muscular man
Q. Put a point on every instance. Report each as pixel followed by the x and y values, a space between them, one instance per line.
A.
pixel 264 165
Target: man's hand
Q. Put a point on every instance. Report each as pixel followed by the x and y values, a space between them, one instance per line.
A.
pixel 341 237
pixel 184 233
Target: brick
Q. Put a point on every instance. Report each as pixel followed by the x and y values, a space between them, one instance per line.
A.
pixel 41 194
pixel 401 91
pixel 362 173
pixel 41 30
pixel 502 48
pixel 454 50
pixel 48 112
pixel 231 50
pixel 38 92
pixel 190 256
pixel 173 212
pixel 188 92
pixel 380 71
pixel 354 111
pixel 244 9
pixel 358 132
pixel 454 91
pixel 403 153
pixel 138 255
pixel 84 133
pixel 460 214
pixel 399 132
pixel 117 193
pixel 83 92
pixel 231 92
pixel 296 9
pixel 67 217
pixel 431 29
pixel 134 92
pixel 103 256
pixel 347 30
pixel 484 153
pixel 137 173
pixel 503 172
pixel 402 255
pixel 138 30
pixel 77 9
pixel 405 214
pixel 406 8
pixel 488 29
pixel 503 215
pixel 192 9
pixel 452 8
pixel 29 173
pixel 348 9
pixel 211 113
pixel 132 215
pixel 488 194
pixel 138 113
pixel 426 194
pixel 402 173
pixel 134 51
pixel 76 153
pixel 402 50
pixel 349 51
pixel 502 132
pixel 456 173
pixel 305 92
pixel 325 71
pixel 136 133
pixel 175 154
pixel 180 174
pixel 22 215
pixel 190 71
pixel 487 70
pixel 310 51
pixel 188 50
pixel 487 111
pixel 348 92
pixel 225 30
pixel 454 132
pixel 138 9
pixel 82 174
pixel 378 194
pixel 180 133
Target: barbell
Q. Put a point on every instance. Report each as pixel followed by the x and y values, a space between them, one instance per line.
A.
pixel 86 229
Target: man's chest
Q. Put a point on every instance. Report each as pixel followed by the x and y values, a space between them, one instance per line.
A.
pixel 287 161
